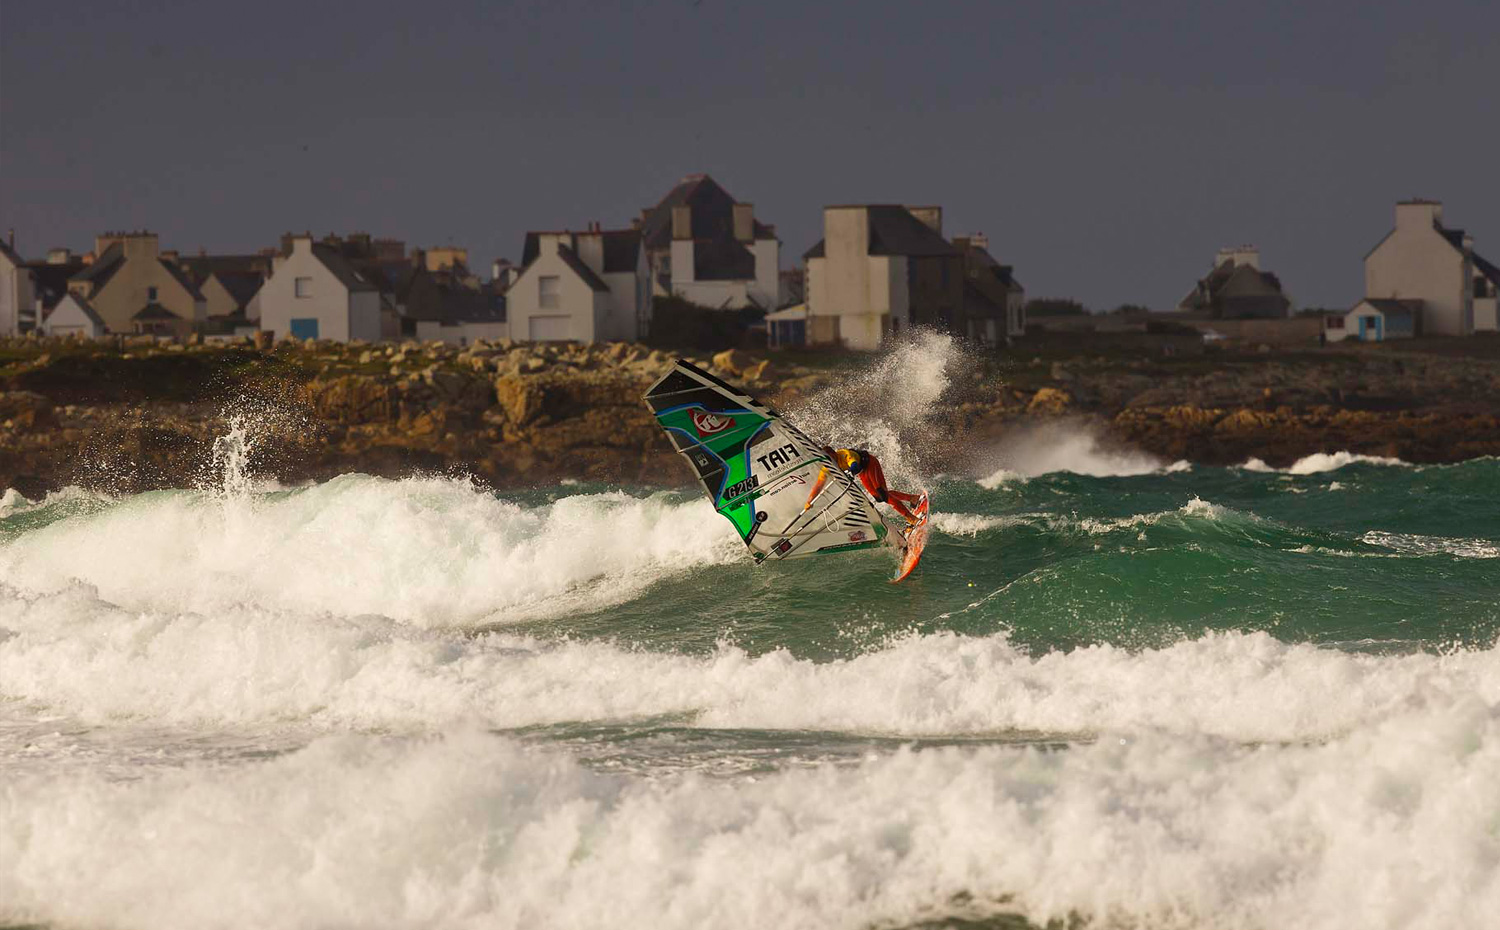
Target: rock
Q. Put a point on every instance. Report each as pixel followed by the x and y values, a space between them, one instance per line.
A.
pixel 26 410
pixel 264 339
pixel 366 357
pixel 1061 373
pixel 1049 402
pixel 760 371
pixel 533 364
pixel 520 398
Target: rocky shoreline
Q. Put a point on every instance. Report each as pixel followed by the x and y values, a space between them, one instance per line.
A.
pixel 141 415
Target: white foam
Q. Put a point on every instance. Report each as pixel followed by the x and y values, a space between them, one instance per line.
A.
pixel 79 656
pixel 1417 544
pixel 425 551
pixel 881 407
pixel 972 524
pixel 1321 462
pixel 1055 448
pixel 1386 827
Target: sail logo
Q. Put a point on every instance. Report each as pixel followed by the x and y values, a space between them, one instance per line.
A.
pixel 709 423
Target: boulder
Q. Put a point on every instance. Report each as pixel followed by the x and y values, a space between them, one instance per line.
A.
pixel 1049 402
pixel 26 410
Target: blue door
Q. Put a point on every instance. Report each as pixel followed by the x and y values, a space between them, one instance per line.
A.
pixel 308 328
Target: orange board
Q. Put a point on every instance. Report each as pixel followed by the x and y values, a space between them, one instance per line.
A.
pixel 916 541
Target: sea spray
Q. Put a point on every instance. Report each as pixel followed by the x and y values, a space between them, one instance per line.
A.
pixel 884 406
pixel 1072 447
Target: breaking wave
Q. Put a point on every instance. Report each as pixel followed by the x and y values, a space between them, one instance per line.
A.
pixel 1070 448
pixel 1322 461
pixel 429 552
pixel 477 830
pixel 73 653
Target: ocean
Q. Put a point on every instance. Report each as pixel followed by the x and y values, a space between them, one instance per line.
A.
pixel 1118 692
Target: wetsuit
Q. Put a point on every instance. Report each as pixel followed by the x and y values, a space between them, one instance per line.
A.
pixel 862 463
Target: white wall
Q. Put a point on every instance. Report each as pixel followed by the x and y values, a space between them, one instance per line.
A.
pixel 761 291
pixel 581 304
pixel 68 319
pixel 1486 315
pixel 329 302
pixel 15 294
pixel 1416 262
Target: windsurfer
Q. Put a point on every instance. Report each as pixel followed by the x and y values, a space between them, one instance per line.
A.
pixel 864 464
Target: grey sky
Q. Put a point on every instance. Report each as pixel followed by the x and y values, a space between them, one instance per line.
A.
pixel 1107 149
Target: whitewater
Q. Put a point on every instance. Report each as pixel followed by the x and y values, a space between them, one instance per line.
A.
pixel 1118 693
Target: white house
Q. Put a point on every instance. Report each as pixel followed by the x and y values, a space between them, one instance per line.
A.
pixel 1420 259
pixel 15 290
pixel 590 286
pixel 1376 320
pixel 705 247
pixel 879 269
pixel 73 316
pixel 314 293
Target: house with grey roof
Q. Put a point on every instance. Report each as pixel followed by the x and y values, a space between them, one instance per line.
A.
pixel 879 270
pixel 994 301
pixel 73 316
pixel 1375 320
pixel 1237 289
pixel 707 248
pixel 590 286
pixel 315 293
pixel 1423 260
pixel 130 274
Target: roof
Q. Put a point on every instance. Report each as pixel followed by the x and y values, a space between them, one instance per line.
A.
pixel 1487 268
pixel 1391 306
pixel 341 268
pixel 571 259
pixel 154 311
pixel 241 285
pixel 1455 238
pixel 894 230
pixel 202 267
pixel 10 253
pixel 621 247
pixel 181 277
pixel 722 260
pixel 794 312
pixel 51 280
pixel 104 266
pixel 712 209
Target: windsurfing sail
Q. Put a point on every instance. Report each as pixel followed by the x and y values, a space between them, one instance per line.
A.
pixel 780 490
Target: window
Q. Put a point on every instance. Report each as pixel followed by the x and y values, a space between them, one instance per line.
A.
pixel 151 295
pixel 548 290
pixel 304 287
pixel 1335 322
pixel 305 328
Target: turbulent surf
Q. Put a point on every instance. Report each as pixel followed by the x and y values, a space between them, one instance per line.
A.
pixel 1119 693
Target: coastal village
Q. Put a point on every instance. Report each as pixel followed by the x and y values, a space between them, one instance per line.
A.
pixel 701 269
pixel 123 367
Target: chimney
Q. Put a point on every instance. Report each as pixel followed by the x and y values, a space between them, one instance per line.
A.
pixel 1239 255
pixel 1418 214
pixel 978 241
pixel 931 217
pixel 59 256
pixel 682 222
pixel 744 222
